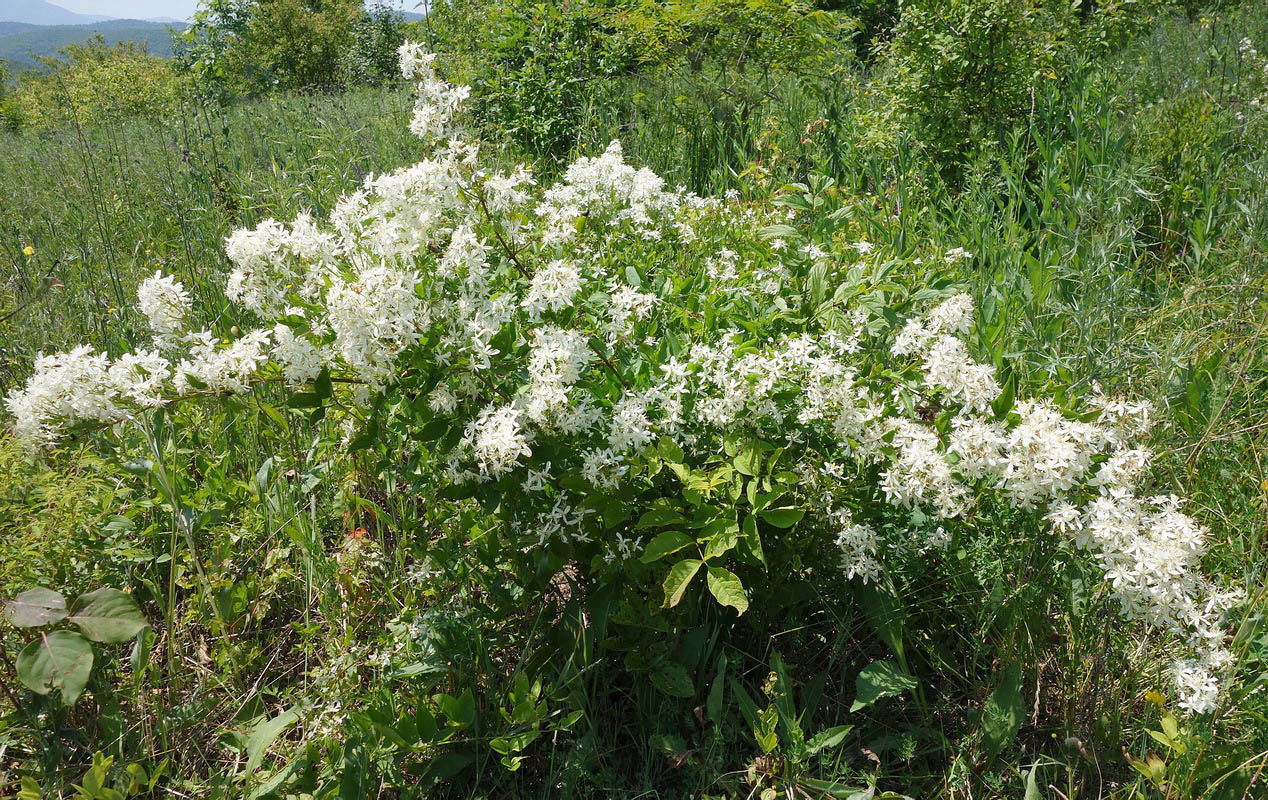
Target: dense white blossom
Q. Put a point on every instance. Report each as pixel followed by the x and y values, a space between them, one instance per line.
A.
pixel 165 304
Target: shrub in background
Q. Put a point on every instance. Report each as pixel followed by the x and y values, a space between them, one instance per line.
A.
pixel 255 46
pixel 370 58
pixel 91 82
pixel 534 77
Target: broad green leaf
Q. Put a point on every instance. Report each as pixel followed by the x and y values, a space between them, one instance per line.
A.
pixel 880 679
pixel 1032 784
pixel 265 734
pixel 676 581
pixel 783 517
pixel 57 660
pixel 460 710
pixel 1002 716
pixel 658 517
pixel 750 542
pixel 727 589
pixel 673 680
pixel 108 615
pixel 827 738
pixel 749 460
pixel 665 544
pixel 724 539
pixel 35 607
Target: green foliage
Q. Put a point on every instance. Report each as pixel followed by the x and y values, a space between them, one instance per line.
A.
pixel 371 56
pixel 91 82
pixel 256 46
pixel 963 71
pixel 63 659
pixel 537 65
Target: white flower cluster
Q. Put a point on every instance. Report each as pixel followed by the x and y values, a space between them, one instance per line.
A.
pixel 538 352
pixel 606 186
pixel 437 102
pixel 164 303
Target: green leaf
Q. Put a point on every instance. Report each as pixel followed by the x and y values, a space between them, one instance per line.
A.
pixel 673 680
pixel 303 400
pixel 783 517
pixel 264 735
pixel 658 517
pixel 713 704
pixel 676 581
pixel 880 679
pixel 1002 716
pixel 885 616
pixel 1032 784
pixel 665 544
pixel 1002 404
pixel 750 542
pixel 58 660
pixel 726 537
pixel 108 615
pixel 35 607
pixel 827 738
pixel 460 710
pixel 749 460
pixel 727 589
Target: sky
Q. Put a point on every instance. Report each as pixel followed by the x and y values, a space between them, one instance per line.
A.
pixel 180 9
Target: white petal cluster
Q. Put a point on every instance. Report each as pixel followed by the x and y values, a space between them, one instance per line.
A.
pixel 273 263
pixel 499 300
pixel 552 288
pixel 219 366
pixel 497 440
pixel 373 319
pixel 437 102
pixel 858 545
pixel 165 304
pixel 608 188
pixel 70 386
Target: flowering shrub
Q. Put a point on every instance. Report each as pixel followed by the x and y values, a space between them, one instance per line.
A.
pixel 638 382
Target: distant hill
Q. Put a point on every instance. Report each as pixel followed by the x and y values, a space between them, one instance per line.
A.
pixel 38 12
pixel 10 28
pixel 20 48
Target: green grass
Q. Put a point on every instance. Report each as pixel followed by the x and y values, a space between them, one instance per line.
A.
pixel 1120 236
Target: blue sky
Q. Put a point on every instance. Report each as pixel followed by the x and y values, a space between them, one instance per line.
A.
pixel 181 9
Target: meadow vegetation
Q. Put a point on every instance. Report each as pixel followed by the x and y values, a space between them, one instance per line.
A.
pixel 826 438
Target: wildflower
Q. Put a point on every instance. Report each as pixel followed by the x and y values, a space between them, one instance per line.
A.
pixel 165 304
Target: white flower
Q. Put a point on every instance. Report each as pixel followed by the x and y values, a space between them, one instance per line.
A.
pixel 228 368
pixel 374 318
pixel 552 288
pixel 497 440
pixel 65 388
pixel 301 361
pixel 165 304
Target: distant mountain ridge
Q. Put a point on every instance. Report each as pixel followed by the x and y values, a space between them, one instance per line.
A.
pixel 20 43
pixel 39 12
